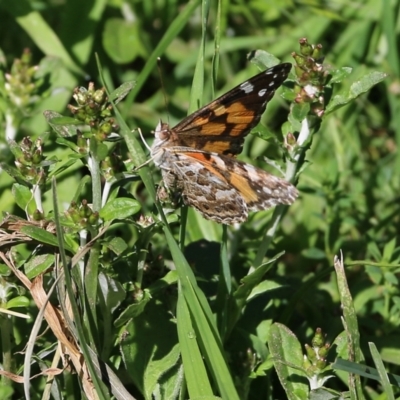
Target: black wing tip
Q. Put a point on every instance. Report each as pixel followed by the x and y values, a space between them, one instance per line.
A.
pixel 285 67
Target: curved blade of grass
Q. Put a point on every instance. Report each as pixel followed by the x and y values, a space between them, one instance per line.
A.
pixel 388 29
pixel 177 25
pixel 224 294
pixel 87 16
pixel 194 368
pixel 196 96
pixel 363 370
pixel 203 322
pixel 37 29
pixel 220 26
pixel 384 379
pixel 350 325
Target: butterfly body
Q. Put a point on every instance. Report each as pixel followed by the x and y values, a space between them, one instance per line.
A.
pixel 196 156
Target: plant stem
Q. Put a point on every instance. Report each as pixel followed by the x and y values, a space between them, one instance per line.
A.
pixel 6 349
pixel 293 165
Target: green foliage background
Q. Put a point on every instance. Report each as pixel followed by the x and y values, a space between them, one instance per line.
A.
pixel 349 187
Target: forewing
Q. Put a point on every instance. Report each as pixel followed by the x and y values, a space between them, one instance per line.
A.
pixel 221 125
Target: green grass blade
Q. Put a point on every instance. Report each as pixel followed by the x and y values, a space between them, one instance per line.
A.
pixel 37 28
pixel 387 388
pixel 97 382
pixel 351 326
pixel 363 370
pixel 178 24
pixel 196 94
pixel 203 321
pixel 195 371
pixel 87 16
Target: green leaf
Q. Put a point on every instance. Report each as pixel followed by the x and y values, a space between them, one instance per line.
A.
pixel 40 235
pixel 299 111
pixel 65 165
pixel 388 250
pixel 67 143
pixel 288 360
pixel 133 310
pixel 339 74
pixel 98 149
pixel 62 120
pixel 160 285
pixel 249 282
pixel 263 59
pixel 71 242
pixel 14 173
pixel 119 208
pixel 38 265
pixel 263 132
pixel 117 245
pixel 24 198
pixel 164 372
pixel 314 253
pixel 384 379
pixel 145 339
pixel 264 287
pixel 357 88
pixel 112 291
pixel 122 40
pixel 19 301
pixel 295 124
pixel 172 32
pixel 67 130
pixel 121 92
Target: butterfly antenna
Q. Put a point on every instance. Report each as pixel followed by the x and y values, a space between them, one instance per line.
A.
pixel 163 86
pixel 143 140
pixel 144 164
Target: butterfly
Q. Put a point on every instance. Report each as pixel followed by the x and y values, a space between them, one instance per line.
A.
pixel 197 156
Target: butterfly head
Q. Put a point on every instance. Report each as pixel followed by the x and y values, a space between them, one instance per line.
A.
pixel 162 131
pixel 162 135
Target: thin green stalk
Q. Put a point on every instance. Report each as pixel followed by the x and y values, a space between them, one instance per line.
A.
pixel 177 25
pixel 97 382
pixel 224 295
pixel 91 288
pixel 92 267
pixel 6 349
pixel 293 165
pixel 94 166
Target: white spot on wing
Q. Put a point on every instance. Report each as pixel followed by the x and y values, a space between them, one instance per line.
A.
pixel 267 190
pixel 219 162
pixel 251 171
pixel 247 87
pixel 262 92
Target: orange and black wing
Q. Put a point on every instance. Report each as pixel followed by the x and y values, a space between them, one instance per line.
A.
pixel 221 126
pixel 225 190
